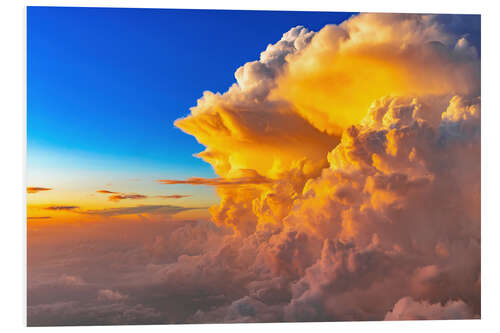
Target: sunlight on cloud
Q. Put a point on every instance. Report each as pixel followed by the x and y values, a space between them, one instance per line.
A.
pixel 370 133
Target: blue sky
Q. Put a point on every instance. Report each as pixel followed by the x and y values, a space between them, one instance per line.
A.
pixel 106 84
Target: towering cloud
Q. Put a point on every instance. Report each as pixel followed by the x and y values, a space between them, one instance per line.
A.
pixel 370 132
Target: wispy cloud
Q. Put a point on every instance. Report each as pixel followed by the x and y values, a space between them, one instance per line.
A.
pixel 39 217
pixel 110 295
pixel 62 207
pixel 157 209
pixel 32 190
pixel 106 192
pixel 118 197
pixel 254 180
pixel 173 196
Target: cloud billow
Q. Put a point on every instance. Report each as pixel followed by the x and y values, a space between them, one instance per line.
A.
pixel 385 146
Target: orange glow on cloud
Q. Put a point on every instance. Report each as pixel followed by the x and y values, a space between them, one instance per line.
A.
pixel 289 110
pixel 350 123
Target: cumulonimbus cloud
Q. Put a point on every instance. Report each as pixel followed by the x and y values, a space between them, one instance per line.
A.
pixel 369 130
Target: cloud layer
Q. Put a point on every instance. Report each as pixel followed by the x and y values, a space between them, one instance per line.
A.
pixel 140 209
pixel 117 196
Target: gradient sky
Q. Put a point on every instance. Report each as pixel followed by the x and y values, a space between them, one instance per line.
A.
pixel 346 166
pixel 106 84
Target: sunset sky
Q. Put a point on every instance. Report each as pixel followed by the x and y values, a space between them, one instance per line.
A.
pixel 106 85
pixel 189 166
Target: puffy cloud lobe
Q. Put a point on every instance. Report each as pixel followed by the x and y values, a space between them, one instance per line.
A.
pixel 110 295
pixel 387 187
pixel 346 67
pixel 409 309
